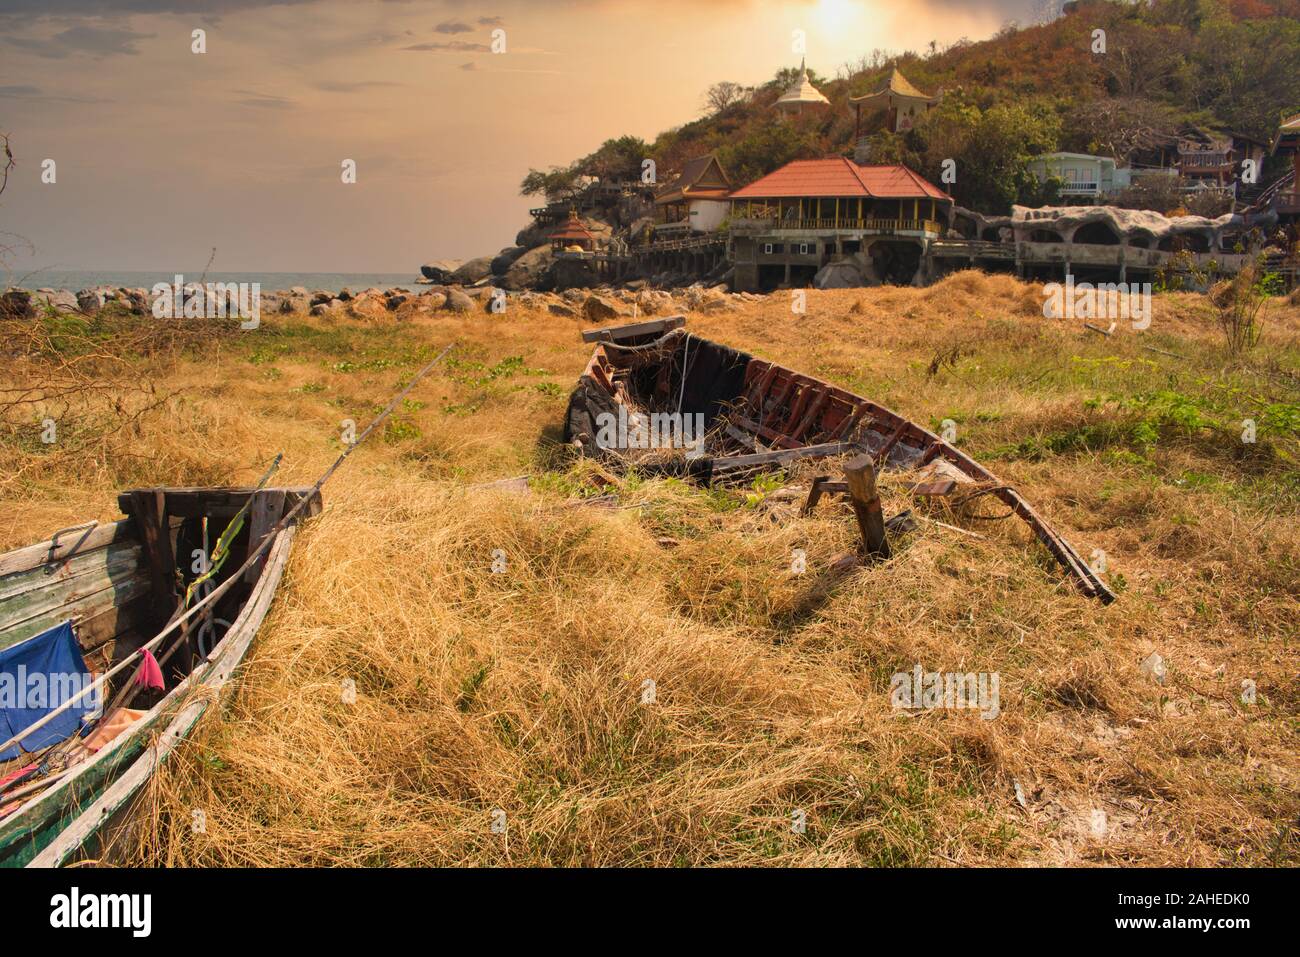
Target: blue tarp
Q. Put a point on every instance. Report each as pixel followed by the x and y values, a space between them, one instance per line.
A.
pixel 36 676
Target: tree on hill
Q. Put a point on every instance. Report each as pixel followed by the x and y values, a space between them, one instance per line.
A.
pixel 765 148
pixel 1118 127
pixel 618 159
pixel 990 150
pixel 723 96
pixel 557 183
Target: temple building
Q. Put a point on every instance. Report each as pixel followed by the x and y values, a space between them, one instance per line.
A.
pixel 801 94
pixel 572 234
pixel 695 202
pixel 903 103
pixel 789 224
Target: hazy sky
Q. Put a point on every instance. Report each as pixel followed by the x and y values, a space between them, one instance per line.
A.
pixel 162 154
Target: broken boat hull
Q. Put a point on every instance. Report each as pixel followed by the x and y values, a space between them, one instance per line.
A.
pixel 760 415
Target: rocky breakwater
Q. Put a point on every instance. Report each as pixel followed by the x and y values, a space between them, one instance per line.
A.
pixel 603 305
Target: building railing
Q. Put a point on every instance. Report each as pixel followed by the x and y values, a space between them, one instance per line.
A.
pixel 1288 201
pixel 1209 160
pixel 840 223
pixel 674 245
pixel 1079 189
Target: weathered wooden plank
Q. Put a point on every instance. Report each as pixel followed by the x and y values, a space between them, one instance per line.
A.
pixel 97 562
pixel 149 508
pixel 31 556
pixel 882 456
pixel 204 502
pixel 860 476
pixel 125 614
pixel 731 463
pixel 787 425
pixel 75 601
pixel 267 509
pixel 772 435
pixel 811 416
pixel 632 330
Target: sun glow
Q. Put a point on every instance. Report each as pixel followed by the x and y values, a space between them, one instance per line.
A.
pixel 838 14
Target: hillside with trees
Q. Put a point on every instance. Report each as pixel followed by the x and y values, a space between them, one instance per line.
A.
pixel 1214 65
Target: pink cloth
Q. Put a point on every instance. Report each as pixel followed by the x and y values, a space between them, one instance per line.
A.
pixel 150 674
pixel 16 774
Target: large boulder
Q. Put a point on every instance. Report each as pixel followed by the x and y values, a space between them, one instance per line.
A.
pixel 472 271
pixel 16 304
pixel 506 258
pixel 844 274
pixel 532 236
pixel 530 271
pixel 440 270
pixel 599 309
pixel 90 301
pixel 457 301
pixel 58 299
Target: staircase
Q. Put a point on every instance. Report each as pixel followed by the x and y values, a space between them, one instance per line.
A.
pixel 1282 186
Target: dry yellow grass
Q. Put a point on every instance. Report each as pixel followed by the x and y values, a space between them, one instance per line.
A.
pixel 523 691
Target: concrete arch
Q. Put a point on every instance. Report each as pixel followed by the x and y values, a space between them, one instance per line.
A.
pixel 1195 241
pixel 1097 233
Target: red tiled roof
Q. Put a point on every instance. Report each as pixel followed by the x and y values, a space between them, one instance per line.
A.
pixel 572 228
pixel 840 177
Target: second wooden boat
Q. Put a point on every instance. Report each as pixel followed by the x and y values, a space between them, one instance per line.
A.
pixel 664 400
pixel 117 585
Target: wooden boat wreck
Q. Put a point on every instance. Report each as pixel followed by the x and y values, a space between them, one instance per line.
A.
pixel 729 414
pixel 64 796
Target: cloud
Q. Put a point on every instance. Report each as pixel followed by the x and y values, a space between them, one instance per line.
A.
pixel 351 86
pixel 110 8
pixel 491 21
pixel 23 91
pixel 93 41
pixel 453 26
pixel 469 66
pixel 450 46
pixel 268 101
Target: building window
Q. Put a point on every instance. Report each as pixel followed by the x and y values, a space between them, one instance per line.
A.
pixel 803 249
pixel 767 249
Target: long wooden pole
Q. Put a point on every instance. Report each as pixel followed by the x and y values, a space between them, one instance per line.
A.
pixel 225 586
